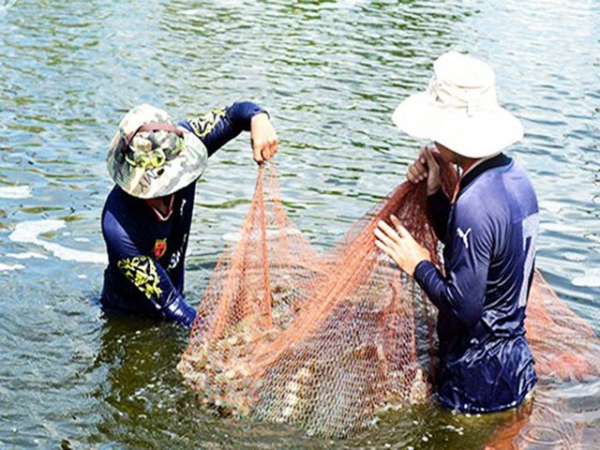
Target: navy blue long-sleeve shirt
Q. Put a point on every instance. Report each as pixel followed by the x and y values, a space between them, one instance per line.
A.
pixel 489 239
pixel 146 253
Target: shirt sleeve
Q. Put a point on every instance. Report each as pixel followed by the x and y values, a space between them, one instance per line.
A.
pixel 146 275
pixel 221 125
pixel 439 211
pixel 461 292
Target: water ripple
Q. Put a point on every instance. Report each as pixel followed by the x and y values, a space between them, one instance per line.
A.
pixel 330 73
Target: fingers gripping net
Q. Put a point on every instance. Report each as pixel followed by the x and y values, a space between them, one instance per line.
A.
pixel 323 342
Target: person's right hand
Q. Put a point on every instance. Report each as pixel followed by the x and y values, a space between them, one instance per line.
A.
pixel 263 137
pixel 427 168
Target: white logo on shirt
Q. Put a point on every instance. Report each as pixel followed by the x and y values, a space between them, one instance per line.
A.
pixel 175 258
pixel 183 202
pixel 463 235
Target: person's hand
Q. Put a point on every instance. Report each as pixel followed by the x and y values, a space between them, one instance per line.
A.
pixel 426 167
pixel 263 137
pixel 399 245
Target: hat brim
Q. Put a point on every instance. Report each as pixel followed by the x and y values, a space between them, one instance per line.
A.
pixel 477 136
pixel 175 174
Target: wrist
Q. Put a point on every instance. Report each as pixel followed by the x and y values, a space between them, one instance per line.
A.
pixel 260 115
pixel 433 190
pixel 419 268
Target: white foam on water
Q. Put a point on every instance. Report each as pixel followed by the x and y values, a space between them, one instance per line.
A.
pixel 560 227
pixel 29 231
pixel 551 206
pixel 15 192
pixel 270 234
pixel 191 12
pixel 27 255
pixel 593 237
pixel 343 4
pixel 569 256
pixel 590 278
pixel 232 237
pixel 10 267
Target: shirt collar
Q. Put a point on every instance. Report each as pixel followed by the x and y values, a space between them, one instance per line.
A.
pixel 481 166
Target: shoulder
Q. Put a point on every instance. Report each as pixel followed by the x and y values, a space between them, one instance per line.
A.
pixel 202 125
pixel 121 212
pixel 480 201
pixel 482 210
pixel 117 198
pixel 520 188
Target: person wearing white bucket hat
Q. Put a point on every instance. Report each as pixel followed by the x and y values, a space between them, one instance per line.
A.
pixel 147 216
pixel 488 229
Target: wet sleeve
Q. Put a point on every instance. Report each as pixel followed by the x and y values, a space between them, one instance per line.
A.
pixel 221 125
pixel 438 206
pixel 146 274
pixel 461 292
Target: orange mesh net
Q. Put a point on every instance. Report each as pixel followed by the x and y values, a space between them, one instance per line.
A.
pixel 564 345
pixel 325 342
pixel 566 349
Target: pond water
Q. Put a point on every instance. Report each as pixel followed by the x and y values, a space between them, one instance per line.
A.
pixel 330 73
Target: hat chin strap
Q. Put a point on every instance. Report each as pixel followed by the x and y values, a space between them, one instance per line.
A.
pixel 153 127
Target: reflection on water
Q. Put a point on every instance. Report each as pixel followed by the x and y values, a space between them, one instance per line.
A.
pixel 330 73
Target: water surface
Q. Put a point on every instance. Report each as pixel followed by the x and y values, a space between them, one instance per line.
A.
pixel 330 73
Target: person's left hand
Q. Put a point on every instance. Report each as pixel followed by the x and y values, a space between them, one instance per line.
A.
pixel 263 137
pixel 399 245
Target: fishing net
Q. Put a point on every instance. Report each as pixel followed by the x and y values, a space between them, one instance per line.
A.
pixel 564 345
pixel 327 341
pixel 566 351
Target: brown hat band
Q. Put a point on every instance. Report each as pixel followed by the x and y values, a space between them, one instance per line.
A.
pixel 153 127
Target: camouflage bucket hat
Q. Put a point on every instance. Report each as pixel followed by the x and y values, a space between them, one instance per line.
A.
pixel 152 157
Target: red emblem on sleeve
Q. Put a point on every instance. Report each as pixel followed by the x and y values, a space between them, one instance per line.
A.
pixel 160 247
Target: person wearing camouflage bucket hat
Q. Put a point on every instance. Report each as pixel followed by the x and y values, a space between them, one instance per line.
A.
pixel 147 216
pixel 151 157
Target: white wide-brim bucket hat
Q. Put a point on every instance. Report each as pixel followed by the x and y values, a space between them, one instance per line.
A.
pixel 151 157
pixel 460 109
